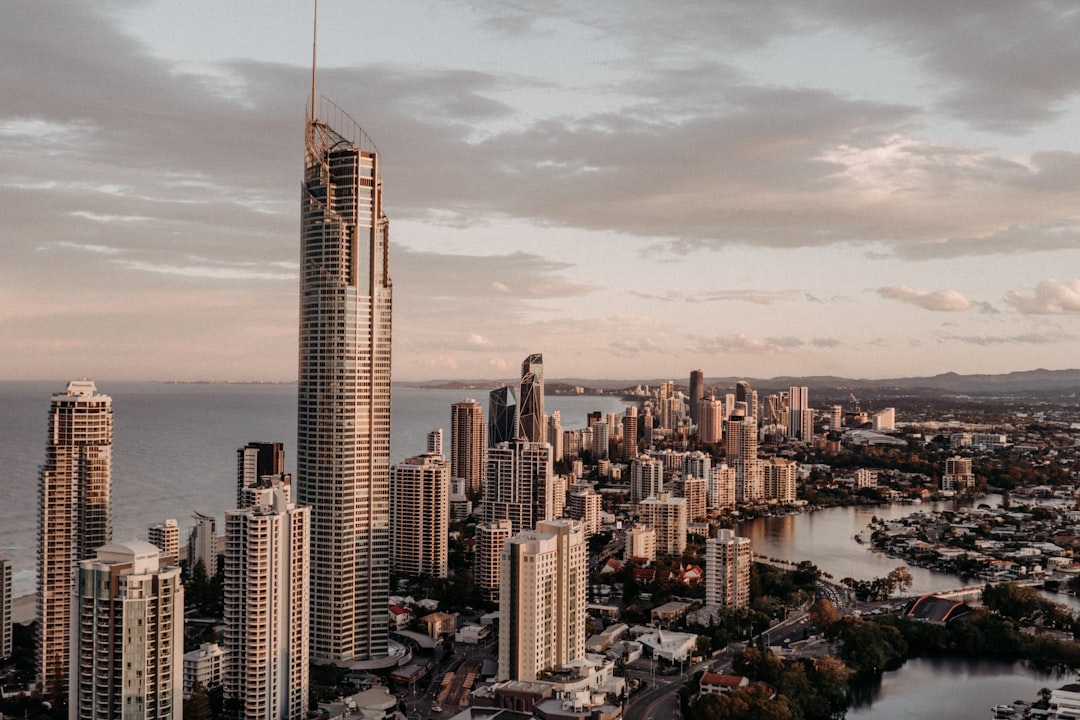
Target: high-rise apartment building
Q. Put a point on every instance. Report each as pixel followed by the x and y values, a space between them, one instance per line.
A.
pixel 5 607
pixel 727 570
pixel 584 505
pixel 640 544
pixel 532 419
pixel 420 515
pixel 490 538
pixel 697 393
pixel 630 433
pixel 601 439
pixel 780 476
pixel 646 478
pixel 518 474
pixel 555 436
pixel 542 600
pixel 711 421
pixel 74 518
pixel 165 536
pixel 694 489
pixel 128 636
pixel 668 516
pixel 256 460
pixel 502 416
pixel 266 639
pixel 800 416
pixel 958 475
pixel 343 408
pixel 836 418
pixel 204 543
pixel 467 444
pixel 720 491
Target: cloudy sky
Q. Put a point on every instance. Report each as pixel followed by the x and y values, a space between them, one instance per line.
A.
pixel 633 188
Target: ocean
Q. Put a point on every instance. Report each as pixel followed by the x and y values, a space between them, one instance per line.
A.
pixel 174 448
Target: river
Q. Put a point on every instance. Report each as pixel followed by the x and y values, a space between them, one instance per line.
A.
pixel 954 688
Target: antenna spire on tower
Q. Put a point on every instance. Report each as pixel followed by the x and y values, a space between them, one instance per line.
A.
pixel 314 41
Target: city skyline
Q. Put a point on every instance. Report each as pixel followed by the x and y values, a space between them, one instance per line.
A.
pixel 870 192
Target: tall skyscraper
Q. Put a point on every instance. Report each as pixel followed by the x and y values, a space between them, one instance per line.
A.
pixel 343 409
pixel 727 570
pixel 630 433
pixel 257 460
pixel 266 604
pixel 800 416
pixel 502 416
pixel 697 393
pixel 129 638
pixel 5 607
pixel 74 519
pixel 518 476
pixel 542 600
pixel 711 421
pixel 467 444
pixel 420 515
pixel 532 421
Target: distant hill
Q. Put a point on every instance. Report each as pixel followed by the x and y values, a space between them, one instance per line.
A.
pixel 1033 383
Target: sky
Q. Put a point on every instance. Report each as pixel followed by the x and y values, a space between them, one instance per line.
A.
pixel 863 188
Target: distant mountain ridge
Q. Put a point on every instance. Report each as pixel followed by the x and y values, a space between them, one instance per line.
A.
pixel 1040 382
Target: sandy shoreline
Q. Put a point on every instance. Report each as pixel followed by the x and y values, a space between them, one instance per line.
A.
pixel 23 609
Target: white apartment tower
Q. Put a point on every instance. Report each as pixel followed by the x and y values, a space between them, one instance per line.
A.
pixel 468 441
pixel 720 491
pixel 781 477
pixel 203 542
pixel 555 435
pixel 420 515
pixel 490 539
pixel 343 394
pixel 584 506
pixel 668 517
pixel 640 543
pixel 646 478
pixel 165 536
pixel 695 491
pixel 128 636
pixel 727 570
pixel 542 600
pixel 74 519
pixel 266 640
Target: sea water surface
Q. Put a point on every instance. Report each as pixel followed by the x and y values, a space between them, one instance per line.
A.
pixel 174 447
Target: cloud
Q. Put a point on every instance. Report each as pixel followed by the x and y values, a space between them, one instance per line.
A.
pixel 1050 298
pixel 939 301
pixel 1032 338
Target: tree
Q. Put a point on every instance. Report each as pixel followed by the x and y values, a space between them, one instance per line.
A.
pixel 197 706
pixel 823 613
pixel 899 580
